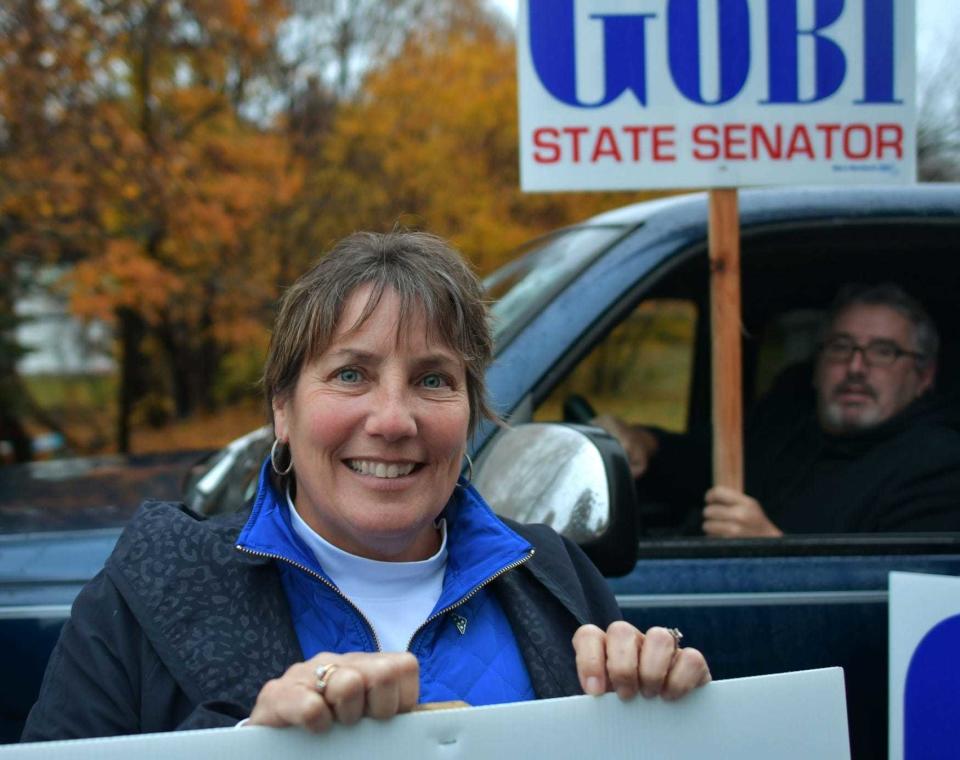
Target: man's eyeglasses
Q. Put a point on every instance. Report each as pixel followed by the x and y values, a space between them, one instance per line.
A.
pixel 877 353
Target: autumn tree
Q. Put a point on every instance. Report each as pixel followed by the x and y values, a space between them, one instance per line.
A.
pixel 128 152
pixel 328 50
pixel 45 82
pixel 431 141
pixel 938 113
pixel 336 40
pixel 188 159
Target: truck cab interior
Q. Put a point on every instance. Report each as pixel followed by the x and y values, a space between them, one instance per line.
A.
pixel 648 361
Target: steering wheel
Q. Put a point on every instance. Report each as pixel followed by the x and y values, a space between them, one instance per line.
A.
pixel 577 409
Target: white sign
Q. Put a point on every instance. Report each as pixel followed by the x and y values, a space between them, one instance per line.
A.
pixel 924 666
pixel 630 94
pixel 792 716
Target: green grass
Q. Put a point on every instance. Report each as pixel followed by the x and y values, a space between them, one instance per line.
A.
pixel 83 406
pixel 59 392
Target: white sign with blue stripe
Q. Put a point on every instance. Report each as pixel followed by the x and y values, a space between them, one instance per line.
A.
pixel 924 666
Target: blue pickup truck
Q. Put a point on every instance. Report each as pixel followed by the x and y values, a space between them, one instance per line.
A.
pixel 615 310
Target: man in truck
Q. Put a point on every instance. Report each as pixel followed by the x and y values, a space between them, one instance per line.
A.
pixel 876 451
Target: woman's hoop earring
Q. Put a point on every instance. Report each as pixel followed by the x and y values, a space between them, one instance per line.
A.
pixel 273 459
pixel 469 467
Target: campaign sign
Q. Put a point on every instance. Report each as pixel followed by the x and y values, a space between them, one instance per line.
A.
pixel 924 666
pixel 631 94
pixel 793 716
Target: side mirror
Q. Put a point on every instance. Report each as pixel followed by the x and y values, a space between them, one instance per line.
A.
pixel 227 479
pixel 574 478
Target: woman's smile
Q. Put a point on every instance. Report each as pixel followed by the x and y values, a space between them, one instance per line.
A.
pixel 389 470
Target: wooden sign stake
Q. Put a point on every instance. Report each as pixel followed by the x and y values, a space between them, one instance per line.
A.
pixel 725 321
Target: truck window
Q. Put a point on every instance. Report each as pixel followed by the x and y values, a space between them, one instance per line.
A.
pixel 641 371
pixel 788 339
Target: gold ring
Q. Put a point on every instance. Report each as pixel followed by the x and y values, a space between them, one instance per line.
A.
pixel 675 632
pixel 323 673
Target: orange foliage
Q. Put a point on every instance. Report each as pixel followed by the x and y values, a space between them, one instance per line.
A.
pixel 433 139
pixel 129 151
pixel 122 277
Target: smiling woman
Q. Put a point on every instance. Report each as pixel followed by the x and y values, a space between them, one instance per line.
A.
pixel 365 576
pixel 375 412
pixel 376 427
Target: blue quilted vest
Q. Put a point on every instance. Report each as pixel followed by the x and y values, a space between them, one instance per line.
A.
pixel 466 648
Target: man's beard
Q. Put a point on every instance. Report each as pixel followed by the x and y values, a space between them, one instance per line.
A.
pixel 836 417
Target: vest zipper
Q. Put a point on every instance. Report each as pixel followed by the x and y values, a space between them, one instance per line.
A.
pixel 468 596
pixel 320 578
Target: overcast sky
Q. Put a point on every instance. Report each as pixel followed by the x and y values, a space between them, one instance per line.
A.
pixel 937 27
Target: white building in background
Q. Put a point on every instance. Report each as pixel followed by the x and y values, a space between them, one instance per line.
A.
pixel 59 343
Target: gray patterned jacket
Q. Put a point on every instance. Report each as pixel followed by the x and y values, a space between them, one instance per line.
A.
pixel 180 630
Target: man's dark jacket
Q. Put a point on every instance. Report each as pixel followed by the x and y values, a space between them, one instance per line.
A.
pixel 180 630
pixel 902 475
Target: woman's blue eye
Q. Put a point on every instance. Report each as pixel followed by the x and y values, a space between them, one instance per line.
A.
pixel 433 380
pixel 348 375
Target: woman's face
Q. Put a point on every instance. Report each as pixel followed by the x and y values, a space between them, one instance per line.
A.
pixel 377 428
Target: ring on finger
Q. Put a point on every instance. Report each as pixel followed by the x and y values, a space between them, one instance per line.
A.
pixel 677 635
pixel 323 673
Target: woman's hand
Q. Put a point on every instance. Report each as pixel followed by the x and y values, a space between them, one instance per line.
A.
pixel 625 660
pixel 379 685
